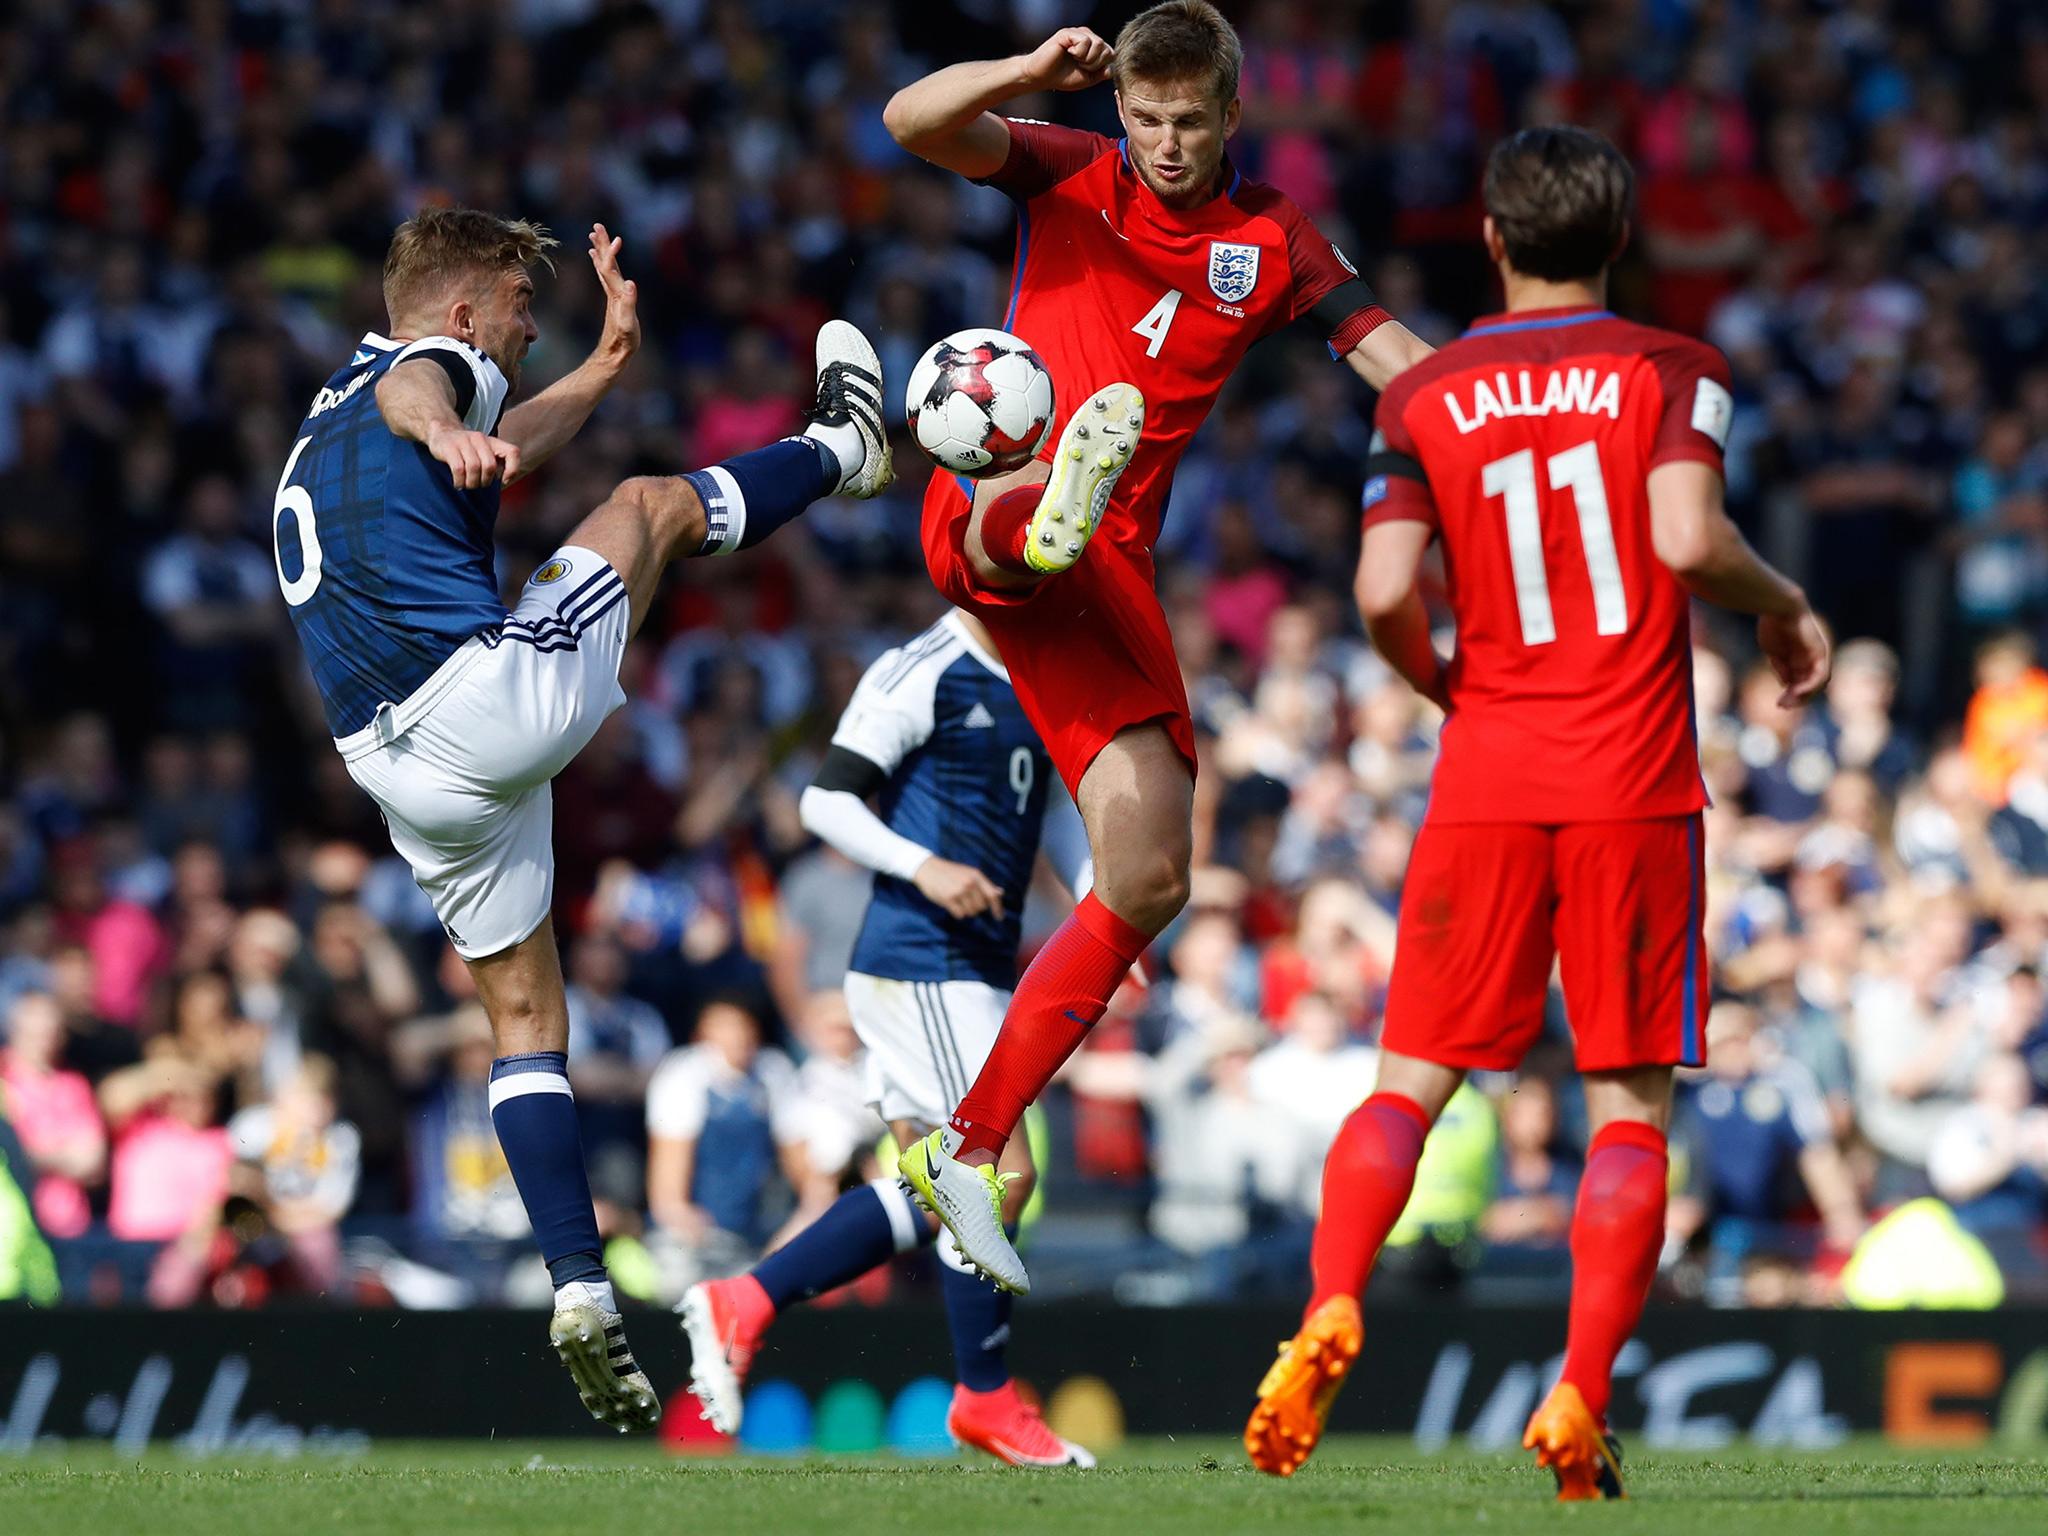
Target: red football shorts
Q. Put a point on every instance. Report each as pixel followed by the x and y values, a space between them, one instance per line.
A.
pixel 1088 650
pixel 1487 908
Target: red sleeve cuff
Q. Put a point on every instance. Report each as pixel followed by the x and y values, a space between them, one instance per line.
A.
pixel 1360 325
pixel 1397 499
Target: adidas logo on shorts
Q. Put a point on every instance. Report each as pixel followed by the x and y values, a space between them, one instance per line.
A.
pixel 979 719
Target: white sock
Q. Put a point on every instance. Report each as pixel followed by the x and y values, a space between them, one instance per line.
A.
pixel 844 441
pixel 725 509
pixel 586 1293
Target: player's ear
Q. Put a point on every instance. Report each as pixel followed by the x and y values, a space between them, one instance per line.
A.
pixel 1627 229
pixel 462 320
pixel 1233 110
pixel 1496 248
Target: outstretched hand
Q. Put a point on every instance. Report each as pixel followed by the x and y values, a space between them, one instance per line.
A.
pixel 1072 59
pixel 621 338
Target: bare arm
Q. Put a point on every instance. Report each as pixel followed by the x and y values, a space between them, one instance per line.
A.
pixel 945 118
pixel 418 404
pixel 392 987
pixel 1387 350
pixel 1695 538
pixel 128 1092
pixel 670 1163
pixel 1833 1188
pixel 1392 608
pixel 540 426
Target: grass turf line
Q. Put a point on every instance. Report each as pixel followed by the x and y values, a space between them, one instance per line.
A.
pixel 1188 1488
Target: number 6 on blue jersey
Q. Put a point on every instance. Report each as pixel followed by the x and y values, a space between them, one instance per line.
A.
pixel 297 500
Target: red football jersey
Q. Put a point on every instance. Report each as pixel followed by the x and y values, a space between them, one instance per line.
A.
pixel 1113 285
pixel 1527 444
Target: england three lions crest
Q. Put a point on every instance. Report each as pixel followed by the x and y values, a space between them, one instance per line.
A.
pixel 1233 270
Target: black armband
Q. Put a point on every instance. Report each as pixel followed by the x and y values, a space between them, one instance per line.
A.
pixel 1341 303
pixel 845 769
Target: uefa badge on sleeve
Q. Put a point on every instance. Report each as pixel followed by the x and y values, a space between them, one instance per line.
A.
pixel 1233 270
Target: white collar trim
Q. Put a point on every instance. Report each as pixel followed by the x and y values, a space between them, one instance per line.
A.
pixel 952 621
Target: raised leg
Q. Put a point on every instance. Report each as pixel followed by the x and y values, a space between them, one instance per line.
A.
pixel 1037 521
pixel 723 508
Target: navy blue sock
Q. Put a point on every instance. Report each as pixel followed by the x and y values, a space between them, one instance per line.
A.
pixel 536 1119
pixel 747 498
pixel 863 1228
pixel 978 1317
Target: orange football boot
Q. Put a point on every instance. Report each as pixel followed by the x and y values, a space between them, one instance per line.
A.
pixel 1295 1397
pixel 1583 1457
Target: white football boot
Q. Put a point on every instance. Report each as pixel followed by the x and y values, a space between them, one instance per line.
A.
pixel 970 1203
pixel 850 395
pixel 1095 448
pixel 592 1344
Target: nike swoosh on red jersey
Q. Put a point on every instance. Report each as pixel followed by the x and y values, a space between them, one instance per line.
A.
pixel 1112 228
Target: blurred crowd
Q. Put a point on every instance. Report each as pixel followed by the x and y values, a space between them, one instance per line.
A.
pixel 236 1056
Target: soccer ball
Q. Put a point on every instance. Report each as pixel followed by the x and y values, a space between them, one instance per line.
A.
pixel 980 403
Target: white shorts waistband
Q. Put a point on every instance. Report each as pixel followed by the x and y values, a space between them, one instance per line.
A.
pixel 393 720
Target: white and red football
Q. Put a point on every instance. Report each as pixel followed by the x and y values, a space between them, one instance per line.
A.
pixel 980 403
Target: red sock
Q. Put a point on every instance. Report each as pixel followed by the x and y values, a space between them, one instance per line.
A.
pixel 1367 1179
pixel 1617 1233
pixel 1005 523
pixel 1065 990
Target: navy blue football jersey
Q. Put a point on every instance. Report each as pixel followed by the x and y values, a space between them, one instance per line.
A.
pixel 968 779
pixel 386 566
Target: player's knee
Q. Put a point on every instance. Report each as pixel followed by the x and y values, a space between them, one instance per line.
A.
pixel 1149 892
pixel 667 505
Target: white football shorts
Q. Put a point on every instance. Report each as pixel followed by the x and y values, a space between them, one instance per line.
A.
pixel 461 768
pixel 926 1041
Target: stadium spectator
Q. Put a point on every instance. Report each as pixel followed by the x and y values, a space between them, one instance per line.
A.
pixel 304 1163
pixel 2009 708
pixel 728 1085
pixel 1751 1125
pixel 464 1202
pixel 841 1126
pixel 615 1043
pixel 1990 1157
pixel 214 595
pixel 1532 1201
pixel 1316 1070
pixel 1232 1165
pixel 54 1113
pixel 1916 1044
pixel 170 1168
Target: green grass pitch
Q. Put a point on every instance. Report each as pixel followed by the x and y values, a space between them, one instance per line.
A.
pixel 1185 1488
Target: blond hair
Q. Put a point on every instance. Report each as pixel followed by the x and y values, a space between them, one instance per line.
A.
pixel 438 248
pixel 1179 40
